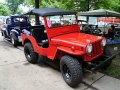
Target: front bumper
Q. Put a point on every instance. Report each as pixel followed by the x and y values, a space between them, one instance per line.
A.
pixel 103 62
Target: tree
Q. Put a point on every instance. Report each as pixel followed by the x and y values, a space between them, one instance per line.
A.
pixel 111 5
pixel 86 5
pixel 36 4
pixel 80 5
pixel 36 16
pixel 4 11
pixel 63 4
pixel 13 5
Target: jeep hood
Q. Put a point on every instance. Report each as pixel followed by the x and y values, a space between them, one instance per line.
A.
pixel 79 39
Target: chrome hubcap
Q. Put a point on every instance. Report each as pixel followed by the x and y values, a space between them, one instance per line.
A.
pixel 12 40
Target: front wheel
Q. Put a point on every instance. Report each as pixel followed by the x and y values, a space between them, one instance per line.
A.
pixel 31 56
pixel 71 70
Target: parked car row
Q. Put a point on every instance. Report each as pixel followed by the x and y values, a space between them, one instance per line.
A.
pixel 59 41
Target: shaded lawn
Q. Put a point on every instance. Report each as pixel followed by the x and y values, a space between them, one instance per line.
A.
pixel 114 69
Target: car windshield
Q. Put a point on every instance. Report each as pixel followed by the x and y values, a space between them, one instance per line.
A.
pixel 19 20
pixel 61 20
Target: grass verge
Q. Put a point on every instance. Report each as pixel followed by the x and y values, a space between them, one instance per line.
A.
pixel 114 69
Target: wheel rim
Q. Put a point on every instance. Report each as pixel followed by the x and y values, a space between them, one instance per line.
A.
pixel 12 40
pixel 27 52
pixel 66 72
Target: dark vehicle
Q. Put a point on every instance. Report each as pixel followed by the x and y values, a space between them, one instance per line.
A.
pixel 117 31
pixel 59 40
pixel 89 28
pixel 13 26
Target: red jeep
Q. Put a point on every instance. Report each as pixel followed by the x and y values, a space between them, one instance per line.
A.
pixel 58 38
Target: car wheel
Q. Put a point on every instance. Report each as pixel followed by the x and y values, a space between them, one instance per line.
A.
pixel 31 56
pixel 13 41
pixel 2 33
pixel 71 70
pixel 108 54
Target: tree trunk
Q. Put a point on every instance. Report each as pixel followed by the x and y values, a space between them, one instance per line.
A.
pixel 37 16
pixel 37 3
pixel 88 5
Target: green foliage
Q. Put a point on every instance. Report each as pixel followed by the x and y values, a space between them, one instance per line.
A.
pixel 13 5
pixel 58 3
pixel 109 4
pixel 4 11
pixel 31 2
pixel 85 5
pixel 80 5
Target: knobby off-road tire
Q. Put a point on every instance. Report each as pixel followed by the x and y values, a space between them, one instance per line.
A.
pixel 30 55
pixel 71 71
pixel 13 41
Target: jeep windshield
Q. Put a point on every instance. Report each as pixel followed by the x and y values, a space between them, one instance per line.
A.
pixel 61 20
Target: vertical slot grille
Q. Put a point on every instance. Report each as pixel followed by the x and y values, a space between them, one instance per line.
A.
pixel 96 49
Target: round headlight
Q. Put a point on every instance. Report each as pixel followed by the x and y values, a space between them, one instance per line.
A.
pixel 104 42
pixel 89 48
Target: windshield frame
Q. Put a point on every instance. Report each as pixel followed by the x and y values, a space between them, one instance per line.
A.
pixel 76 20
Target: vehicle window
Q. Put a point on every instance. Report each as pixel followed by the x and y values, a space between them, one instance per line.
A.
pixel 32 20
pixel 61 20
pixel 41 20
pixel 8 21
pixel 19 20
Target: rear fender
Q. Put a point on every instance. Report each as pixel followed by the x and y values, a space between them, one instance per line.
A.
pixel 30 39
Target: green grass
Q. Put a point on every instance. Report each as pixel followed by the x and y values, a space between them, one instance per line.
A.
pixel 114 69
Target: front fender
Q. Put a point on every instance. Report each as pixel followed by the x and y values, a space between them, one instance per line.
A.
pixel 70 51
pixel 15 34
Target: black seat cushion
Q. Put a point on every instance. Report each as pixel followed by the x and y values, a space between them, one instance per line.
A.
pixel 39 35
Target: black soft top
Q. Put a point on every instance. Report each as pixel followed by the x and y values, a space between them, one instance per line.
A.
pixel 50 12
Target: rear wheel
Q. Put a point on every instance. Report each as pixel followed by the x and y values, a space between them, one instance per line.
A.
pixel 31 56
pixel 13 41
pixel 71 70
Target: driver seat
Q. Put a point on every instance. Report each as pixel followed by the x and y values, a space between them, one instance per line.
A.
pixel 40 36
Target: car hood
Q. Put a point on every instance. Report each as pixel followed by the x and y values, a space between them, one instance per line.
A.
pixel 75 39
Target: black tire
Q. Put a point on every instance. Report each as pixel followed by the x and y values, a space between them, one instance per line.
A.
pixel 71 71
pixel 108 54
pixel 2 33
pixel 13 41
pixel 30 55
